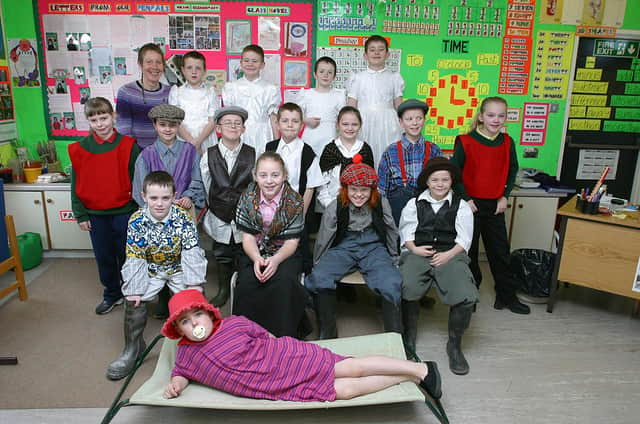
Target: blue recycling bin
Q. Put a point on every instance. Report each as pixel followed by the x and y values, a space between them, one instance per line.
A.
pixel 4 242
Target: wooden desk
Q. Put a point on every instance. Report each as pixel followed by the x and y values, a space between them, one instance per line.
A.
pixel 597 251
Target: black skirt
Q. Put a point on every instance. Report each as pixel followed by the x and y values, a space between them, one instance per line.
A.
pixel 277 304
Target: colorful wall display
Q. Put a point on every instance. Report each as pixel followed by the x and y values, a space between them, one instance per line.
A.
pixel 552 64
pixel 606 89
pixel 90 47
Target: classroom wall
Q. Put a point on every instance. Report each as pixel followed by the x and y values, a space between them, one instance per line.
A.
pixel 20 22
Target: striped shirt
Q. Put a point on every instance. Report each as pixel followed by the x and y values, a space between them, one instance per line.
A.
pixel 243 359
pixel 132 105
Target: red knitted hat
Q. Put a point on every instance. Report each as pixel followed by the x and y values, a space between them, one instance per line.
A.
pixel 181 302
pixel 359 174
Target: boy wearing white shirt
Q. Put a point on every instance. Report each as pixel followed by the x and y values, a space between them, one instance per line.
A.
pixel 436 230
pixel 303 166
pixel 226 172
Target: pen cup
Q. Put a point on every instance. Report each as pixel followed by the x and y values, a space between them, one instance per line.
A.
pixel 591 208
pixel 580 204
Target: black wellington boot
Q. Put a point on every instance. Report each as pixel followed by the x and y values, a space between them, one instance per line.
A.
pixel 161 310
pixel 135 320
pixel 225 272
pixel 325 304
pixel 459 318
pixel 391 316
pixel 410 314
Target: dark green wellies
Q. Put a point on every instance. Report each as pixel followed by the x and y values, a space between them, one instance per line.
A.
pixel 391 316
pixel 225 272
pixel 410 314
pixel 459 318
pixel 325 303
pixel 135 320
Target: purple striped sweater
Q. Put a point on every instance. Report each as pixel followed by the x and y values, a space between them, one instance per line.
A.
pixel 132 106
pixel 242 359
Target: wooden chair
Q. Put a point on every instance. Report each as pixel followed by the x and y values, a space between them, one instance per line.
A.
pixel 13 262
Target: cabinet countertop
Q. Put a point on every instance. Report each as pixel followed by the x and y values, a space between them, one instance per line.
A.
pixel 534 192
pixel 37 187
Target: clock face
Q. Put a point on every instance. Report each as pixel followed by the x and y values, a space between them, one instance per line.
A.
pixel 453 99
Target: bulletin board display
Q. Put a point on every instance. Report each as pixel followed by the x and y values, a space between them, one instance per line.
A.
pixel 90 47
pixel 453 53
pixel 605 95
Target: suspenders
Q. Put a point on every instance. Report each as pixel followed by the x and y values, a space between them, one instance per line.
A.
pixel 403 170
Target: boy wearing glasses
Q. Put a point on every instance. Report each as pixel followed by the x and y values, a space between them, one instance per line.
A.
pixel 257 96
pixel 226 173
pixel 402 161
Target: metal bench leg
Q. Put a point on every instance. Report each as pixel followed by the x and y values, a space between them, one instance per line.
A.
pixel 117 403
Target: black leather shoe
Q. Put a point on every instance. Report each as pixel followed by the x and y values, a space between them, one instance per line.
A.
pixel 432 383
pixel 515 306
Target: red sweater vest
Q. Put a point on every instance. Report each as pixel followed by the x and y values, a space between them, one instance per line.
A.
pixel 485 169
pixel 103 180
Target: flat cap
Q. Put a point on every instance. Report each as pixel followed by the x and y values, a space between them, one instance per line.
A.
pixel 166 112
pixel 231 110
pixel 412 104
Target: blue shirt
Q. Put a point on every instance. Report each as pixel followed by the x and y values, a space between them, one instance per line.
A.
pixel 389 173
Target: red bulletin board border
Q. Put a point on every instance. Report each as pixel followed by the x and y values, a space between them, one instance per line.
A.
pixel 289 12
pixel 517 47
pixel 535 117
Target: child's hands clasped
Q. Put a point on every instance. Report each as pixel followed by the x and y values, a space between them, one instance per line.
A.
pixel 424 251
pixel 176 387
pixel 441 258
pixel 264 269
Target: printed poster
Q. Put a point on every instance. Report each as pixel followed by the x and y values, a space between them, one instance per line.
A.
pixel 23 62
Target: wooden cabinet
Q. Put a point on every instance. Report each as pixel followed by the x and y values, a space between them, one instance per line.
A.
pixel 48 213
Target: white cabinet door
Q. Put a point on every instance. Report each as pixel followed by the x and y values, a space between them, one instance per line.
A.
pixel 534 220
pixel 28 213
pixel 64 229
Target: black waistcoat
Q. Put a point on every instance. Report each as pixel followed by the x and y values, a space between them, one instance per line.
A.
pixel 437 230
pixel 307 158
pixel 377 221
pixel 226 187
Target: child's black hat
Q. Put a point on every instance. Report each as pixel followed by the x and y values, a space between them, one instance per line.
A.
pixel 438 164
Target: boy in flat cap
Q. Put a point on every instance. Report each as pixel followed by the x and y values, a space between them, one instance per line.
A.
pixel 226 173
pixel 436 229
pixel 168 153
pixel 177 157
pixel 357 232
pixel 402 161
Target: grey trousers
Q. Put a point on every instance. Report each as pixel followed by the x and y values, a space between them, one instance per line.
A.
pixel 453 280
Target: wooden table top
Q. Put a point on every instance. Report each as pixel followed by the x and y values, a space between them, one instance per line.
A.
pixel 632 218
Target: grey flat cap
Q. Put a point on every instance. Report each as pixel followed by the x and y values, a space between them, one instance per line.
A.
pixel 231 110
pixel 412 104
pixel 166 113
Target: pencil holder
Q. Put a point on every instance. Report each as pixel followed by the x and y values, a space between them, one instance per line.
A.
pixel 591 208
pixel 580 204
